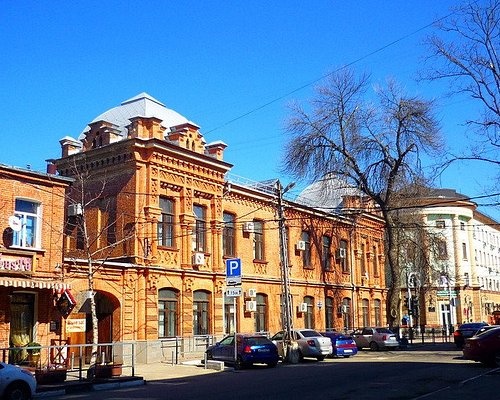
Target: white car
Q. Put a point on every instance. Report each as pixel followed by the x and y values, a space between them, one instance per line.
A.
pixel 375 338
pixel 311 343
pixel 16 383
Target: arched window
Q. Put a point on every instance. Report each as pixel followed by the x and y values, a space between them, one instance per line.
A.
pixel 261 324
pixel 346 313
pixel 366 312
pixel 378 312
pixel 168 313
pixel 201 312
pixel 228 235
pixel 229 315
pixel 309 314
pixel 329 312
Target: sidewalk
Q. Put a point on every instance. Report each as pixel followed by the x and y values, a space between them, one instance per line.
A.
pixel 143 373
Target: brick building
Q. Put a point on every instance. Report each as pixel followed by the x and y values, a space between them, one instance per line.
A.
pixel 154 204
pixel 32 217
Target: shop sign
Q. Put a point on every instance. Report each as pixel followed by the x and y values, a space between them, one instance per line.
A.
pixel 75 325
pixel 15 264
pixel 446 293
pixel 65 303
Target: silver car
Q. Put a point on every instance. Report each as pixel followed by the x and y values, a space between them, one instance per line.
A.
pixel 375 338
pixel 311 343
pixel 16 383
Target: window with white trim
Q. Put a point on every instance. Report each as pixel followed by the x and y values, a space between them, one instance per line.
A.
pixel 29 214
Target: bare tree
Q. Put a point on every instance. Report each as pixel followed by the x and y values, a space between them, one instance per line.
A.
pixel 96 230
pixel 466 54
pixel 376 147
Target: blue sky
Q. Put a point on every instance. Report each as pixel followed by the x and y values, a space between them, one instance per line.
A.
pixel 230 67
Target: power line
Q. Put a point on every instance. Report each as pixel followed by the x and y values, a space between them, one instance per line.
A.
pixel 281 97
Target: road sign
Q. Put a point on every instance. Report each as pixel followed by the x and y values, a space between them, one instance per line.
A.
pixel 233 272
pixel 234 292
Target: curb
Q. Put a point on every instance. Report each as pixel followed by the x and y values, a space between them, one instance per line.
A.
pixel 88 387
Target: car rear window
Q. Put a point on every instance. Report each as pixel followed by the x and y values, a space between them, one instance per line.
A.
pixel 471 326
pixel 257 340
pixel 383 330
pixel 310 333
pixel 489 332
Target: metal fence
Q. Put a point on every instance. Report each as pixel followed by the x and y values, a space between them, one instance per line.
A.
pixel 180 348
pixel 74 359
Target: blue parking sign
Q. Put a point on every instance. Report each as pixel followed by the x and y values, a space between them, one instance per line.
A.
pixel 233 268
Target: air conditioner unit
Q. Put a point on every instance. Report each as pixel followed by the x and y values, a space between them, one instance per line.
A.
pixel 301 245
pixel 198 259
pixel 251 306
pixel 252 293
pixel 75 209
pixel 303 307
pixel 340 253
pixel 248 227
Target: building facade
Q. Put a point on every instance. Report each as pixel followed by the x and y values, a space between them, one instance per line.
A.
pixel 153 217
pixel 31 281
pixel 461 283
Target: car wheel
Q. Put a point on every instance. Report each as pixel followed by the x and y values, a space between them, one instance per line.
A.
pixel 373 346
pixel 320 358
pixel 239 363
pixel 17 391
pixel 496 360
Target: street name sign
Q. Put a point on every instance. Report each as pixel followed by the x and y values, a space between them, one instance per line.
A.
pixel 234 292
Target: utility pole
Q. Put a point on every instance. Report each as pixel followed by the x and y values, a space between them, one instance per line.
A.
pixel 290 351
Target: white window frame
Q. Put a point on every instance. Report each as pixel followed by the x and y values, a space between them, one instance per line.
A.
pixel 20 238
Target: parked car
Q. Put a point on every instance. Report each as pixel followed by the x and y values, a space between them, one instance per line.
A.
pixel 311 343
pixel 375 338
pixel 16 383
pixel 251 349
pixel 466 331
pixel 484 347
pixel 342 345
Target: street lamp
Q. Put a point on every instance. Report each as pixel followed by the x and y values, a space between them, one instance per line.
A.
pixel 290 353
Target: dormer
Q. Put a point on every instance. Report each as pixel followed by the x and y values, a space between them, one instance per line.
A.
pixel 187 136
pixel 216 150
pixel 70 146
pixel 100 133
pixel 145 128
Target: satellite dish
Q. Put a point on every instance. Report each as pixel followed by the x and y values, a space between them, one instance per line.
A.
pixel 15 223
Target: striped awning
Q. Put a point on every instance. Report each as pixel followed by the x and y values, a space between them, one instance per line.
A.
pixel 34 284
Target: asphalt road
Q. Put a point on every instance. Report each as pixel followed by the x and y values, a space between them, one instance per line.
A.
pixel 441 374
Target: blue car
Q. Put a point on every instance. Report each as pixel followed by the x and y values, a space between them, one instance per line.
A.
pixel 251 349
pixel 343 345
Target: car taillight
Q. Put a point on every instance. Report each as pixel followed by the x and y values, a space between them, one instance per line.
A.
pixel 311 343
pixel 384 337
pixel 345 345
pixel 456 333
pixel 247 350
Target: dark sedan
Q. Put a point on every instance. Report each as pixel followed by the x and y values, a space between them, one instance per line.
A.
pixel 466 331
pixel 251 349
pixel 484 347
pixel 343 345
